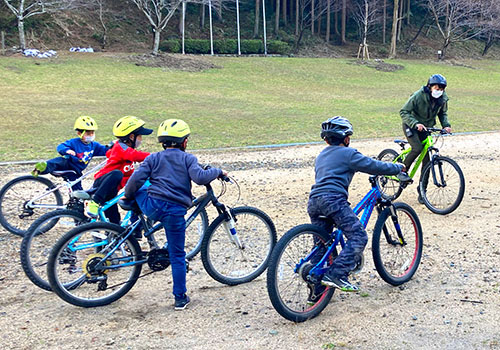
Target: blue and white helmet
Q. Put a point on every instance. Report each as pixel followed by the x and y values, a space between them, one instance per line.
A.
pixel 437 79
pixel 338 127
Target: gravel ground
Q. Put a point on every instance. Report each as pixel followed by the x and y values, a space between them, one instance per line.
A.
pixel 453 301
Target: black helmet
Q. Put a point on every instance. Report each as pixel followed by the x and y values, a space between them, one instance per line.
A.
pixel 337 127
pixel 437 79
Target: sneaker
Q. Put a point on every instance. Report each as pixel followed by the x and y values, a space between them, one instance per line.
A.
pixel 39 168
pixel 339 282
pixel 182 302
pixel 92 209
pixel 315 293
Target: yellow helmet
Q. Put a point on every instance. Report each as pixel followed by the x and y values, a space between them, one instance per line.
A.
pixel 128 125
pixel 173 130
pixel 85 123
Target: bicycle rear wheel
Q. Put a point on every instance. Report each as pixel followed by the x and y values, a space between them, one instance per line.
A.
pixel 15 216
pixel 397 244
pixel 224 260
pixel 79 271
pixel 41 237
pixel 442 185
pixel 390 188
pixel 287 276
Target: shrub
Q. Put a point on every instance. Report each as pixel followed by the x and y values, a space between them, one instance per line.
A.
pixel 278 47
pixel 172 46
pixel 197 46
pixel 252 46
pixel 227 46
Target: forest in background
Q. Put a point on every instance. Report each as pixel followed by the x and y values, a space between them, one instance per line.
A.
pixel 388 28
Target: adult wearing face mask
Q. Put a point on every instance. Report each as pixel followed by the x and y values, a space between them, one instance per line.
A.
pixel 419 113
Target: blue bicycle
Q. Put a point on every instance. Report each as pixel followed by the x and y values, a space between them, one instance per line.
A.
pixel 97 263
pixel 305 253
pixel 48 228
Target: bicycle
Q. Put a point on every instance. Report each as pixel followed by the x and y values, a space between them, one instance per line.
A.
pixel 87 258
pixel 48 228
pixel 305 253
pixel 444 193
pixel 25 198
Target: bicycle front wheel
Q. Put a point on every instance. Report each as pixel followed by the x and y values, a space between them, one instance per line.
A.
pixel 397 244
pixel 240 258
pixel 41 237
pixel 15 215
pixel 442 185
pixel 288 285
pixel 390 188
pixel 80 272
pixel 195 230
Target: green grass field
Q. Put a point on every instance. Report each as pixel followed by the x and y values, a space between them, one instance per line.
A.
pixel 249 101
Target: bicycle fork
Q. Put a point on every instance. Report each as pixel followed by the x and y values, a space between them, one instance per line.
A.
pixel 436 161
pixel 230 227
pixel 394 217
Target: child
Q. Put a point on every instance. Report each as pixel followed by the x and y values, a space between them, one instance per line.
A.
pixel 166 199
pixel 335 166
pixel 76 153
pixel 119 166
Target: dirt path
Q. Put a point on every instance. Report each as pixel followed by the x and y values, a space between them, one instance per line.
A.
pixel 453 302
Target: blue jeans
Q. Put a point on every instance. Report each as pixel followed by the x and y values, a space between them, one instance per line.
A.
pixel 171 215
pixel 338 211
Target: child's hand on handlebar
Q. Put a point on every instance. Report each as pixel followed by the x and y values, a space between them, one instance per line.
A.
pixel 71 152
pixel 447 129
pixel 421 127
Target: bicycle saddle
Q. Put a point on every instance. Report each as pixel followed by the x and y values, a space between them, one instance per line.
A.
pixel 401 142
pixel 63 173
pixel 128 204
pixel 85 195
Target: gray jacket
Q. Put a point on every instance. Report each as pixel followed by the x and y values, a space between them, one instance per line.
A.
pixel 336 165
pixel 170 173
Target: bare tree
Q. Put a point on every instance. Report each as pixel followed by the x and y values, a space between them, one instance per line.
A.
pixel 305 17
pixel 456 20
pixel 24 9
pixel 158 13
pixel 490 23
pixel 366 14
pixel 395 19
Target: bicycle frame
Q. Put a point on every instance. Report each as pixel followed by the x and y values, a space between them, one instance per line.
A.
pixel 68 184
pixel 366 205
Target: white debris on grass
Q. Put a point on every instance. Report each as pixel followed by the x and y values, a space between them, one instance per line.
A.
pixel 39 54
pixel 81 49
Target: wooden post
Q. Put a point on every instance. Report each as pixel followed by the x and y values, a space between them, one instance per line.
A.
pixel 3 43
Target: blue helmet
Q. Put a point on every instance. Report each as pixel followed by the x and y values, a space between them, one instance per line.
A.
pixel 437 79
pixel 338 127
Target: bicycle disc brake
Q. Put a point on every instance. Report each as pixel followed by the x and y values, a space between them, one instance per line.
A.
pixel 89 265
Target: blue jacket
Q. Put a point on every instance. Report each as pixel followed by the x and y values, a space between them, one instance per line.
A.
pixel 84 152
pixel 335 167
pixel 170 173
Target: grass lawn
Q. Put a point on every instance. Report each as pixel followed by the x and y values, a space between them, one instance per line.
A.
pixel 249 101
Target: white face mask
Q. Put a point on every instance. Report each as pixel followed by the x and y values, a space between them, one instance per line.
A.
pixel 137 143
pixel 437 93
pixel 88 139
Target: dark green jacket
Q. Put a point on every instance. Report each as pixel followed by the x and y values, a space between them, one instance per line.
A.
pixel 422 109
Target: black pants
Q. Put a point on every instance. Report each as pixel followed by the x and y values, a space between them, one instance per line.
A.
pixel 107 188
pixel 415 141
pixel 61 164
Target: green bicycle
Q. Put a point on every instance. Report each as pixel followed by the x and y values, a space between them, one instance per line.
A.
pixel 442 182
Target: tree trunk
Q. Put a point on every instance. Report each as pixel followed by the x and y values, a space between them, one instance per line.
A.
pixel 284 11
pixel 277 18
pixel 392 53
pixel 400 22
pixel 156 45
pixel 312 16
pixel 343 22
pixel 384 21
pixel 336 22
pixel 408 12
pixel 489 43
pixel 327 34
pixel 257 19
pixel 202 16
pixel 20 27
pixel 296 17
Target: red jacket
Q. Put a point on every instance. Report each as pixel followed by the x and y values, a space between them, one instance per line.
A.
pixel 121 157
